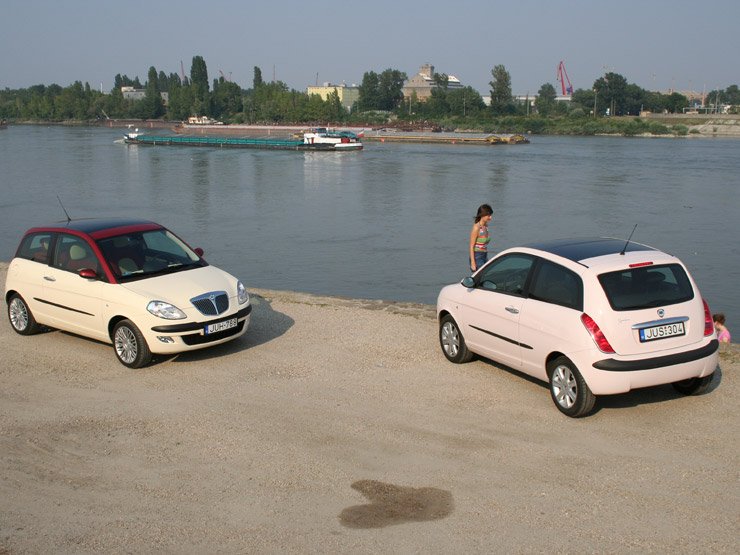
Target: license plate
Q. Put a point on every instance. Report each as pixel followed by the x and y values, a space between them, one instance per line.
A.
pixel 221 326
pixel 661 332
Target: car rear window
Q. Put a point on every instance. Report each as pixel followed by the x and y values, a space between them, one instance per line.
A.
pixel 647 287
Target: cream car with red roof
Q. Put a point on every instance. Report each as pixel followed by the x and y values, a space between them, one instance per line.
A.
pixel 132 283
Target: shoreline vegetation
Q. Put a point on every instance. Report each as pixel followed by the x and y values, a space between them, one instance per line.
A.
pixel 712 125
pixel 387 100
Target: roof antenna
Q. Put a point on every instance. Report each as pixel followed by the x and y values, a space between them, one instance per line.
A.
pixel 628 240
pixel 63 208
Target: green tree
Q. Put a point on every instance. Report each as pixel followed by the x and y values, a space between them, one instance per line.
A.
pixel 390 85
pixel 226 98
pixel 381 92
pixel 199 84
pixel 369 92
pixel 611 90
pixel 152 104
pixel 545 101
pixel 257 79
pixel 676 102
pixel 465 101
pixel 501 97
pixel 335 110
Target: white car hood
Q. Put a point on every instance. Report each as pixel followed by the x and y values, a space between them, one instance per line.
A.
pixel 179 287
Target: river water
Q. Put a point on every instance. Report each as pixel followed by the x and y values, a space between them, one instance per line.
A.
pixel 392 221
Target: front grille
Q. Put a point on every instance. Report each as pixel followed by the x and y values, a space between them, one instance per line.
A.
pixel 211 304
pixel 199 339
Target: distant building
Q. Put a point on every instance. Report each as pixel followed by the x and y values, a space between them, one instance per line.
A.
pixel 130 93
pixel 423 83
pixel 347 95
pixel 525 99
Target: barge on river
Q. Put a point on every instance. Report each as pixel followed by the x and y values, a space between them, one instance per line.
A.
pixel 320 139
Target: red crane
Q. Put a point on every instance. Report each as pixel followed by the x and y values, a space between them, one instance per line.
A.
pixel 563 78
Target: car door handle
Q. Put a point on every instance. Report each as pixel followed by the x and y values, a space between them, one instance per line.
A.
pixel 49 278
pixel 512 309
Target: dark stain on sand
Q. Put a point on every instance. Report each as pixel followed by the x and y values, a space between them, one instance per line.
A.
pixel 391 504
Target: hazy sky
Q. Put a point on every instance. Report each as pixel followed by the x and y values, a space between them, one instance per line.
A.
pixel 657 44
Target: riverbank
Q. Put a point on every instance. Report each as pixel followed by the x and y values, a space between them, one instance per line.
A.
pixel 651 125
pixel 336 425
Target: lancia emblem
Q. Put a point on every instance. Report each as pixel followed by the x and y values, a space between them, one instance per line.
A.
pixel 661 312
pixel 212 298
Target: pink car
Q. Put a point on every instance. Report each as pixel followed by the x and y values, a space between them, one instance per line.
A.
pixel 589 316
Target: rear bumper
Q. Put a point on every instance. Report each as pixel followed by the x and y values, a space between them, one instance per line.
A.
pixel 612 375
pixel 613 365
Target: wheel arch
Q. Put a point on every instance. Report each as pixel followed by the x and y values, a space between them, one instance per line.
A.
pixel 9 293
pixel 112 324
pixel 552 356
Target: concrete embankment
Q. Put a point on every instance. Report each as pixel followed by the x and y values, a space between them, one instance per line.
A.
pixel 336 426
pixel 701 125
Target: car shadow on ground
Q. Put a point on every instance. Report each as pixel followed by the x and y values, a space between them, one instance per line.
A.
pixel 651 395
pixel 634 398
pixel 266 324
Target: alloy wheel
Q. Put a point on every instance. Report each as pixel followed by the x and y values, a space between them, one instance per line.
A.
pixel 126 345
pixel 450 338
pixel 18 314
pixel 564 386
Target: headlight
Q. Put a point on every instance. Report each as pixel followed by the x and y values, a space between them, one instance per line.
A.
pixel 165 310
pixel 241 293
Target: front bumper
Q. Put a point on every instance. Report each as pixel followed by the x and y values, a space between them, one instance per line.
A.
pixel 191 336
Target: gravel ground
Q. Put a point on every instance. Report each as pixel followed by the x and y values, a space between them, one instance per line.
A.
pixel 337 426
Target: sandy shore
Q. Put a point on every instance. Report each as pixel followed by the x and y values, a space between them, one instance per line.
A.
pixel 337 426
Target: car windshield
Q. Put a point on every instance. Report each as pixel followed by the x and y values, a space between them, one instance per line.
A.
pixel 647 287
pixel 147 253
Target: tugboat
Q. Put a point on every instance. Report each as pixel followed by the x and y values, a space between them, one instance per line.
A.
pixel 341 140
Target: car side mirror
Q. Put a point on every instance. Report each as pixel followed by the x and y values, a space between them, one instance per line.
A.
pixel 200 252
pixel 88 273
pixel 468 282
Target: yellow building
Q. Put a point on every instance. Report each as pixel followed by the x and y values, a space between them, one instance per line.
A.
pixel 347 95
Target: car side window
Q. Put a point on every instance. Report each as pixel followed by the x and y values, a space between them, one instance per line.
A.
pixel 507 274
pixel 72 254
pixel 555 284
pixel 35 246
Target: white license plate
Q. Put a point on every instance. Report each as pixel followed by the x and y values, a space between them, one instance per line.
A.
pixel 661 332
pixel 221 326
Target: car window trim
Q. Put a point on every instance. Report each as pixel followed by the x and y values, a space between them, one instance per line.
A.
pixel 535 273
pixel 525 286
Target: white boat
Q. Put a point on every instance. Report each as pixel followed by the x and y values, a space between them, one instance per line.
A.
pixel 341 140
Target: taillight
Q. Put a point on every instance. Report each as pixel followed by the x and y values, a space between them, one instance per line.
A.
pixel 596 334
pixel 708 320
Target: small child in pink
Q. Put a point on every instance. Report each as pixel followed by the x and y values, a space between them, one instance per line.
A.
pixel 723 334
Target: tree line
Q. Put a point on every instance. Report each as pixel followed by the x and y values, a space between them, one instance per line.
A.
pixel 380 99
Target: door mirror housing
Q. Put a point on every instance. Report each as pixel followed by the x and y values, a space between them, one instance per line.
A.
pixel 468 282
pixel 88 273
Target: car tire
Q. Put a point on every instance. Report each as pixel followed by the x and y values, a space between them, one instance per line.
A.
pixel 568 389
pixel 693 386
pixel 20 316
pixel 130 346
pixel 452 342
